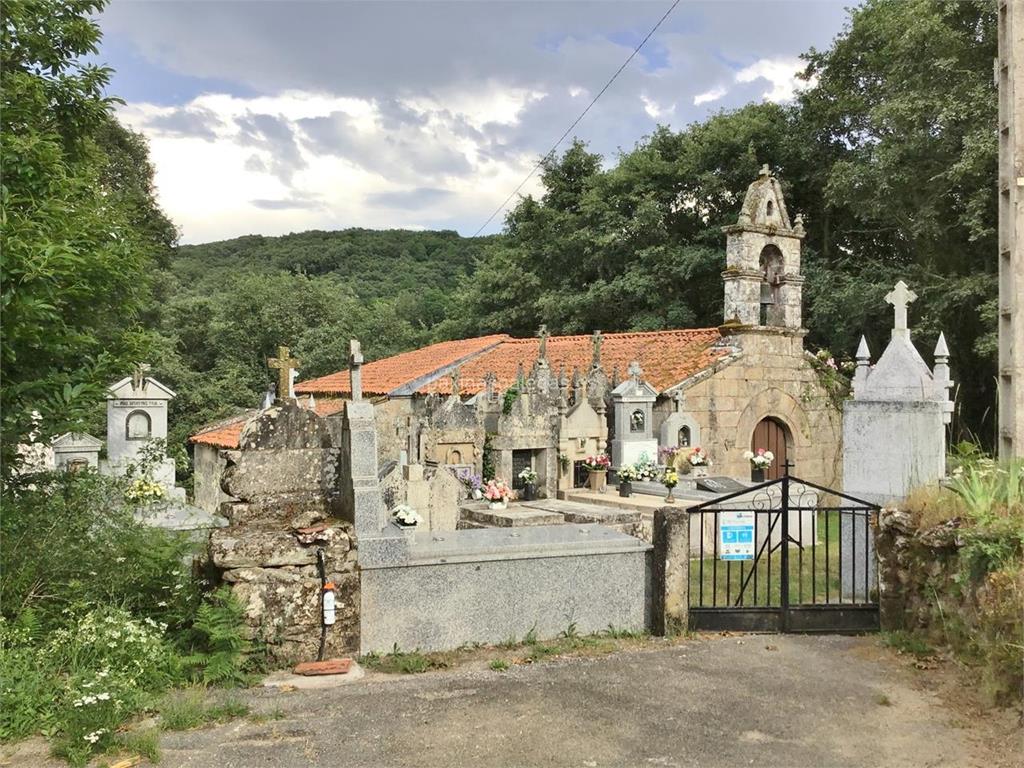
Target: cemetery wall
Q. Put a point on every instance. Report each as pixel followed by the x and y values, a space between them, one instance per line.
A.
pixel 208 466
pixel 771 378
pixel 927 587
pixel 284 481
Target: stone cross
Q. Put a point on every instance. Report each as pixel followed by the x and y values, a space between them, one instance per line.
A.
pixel 284 364
pixel 542 353
pixel 765 171
pixel 455 375
pixel 900 297
pixel 489 381
pixel 680 399
pixel 597 339
pixel 355 366
pixel 139 376
pixel 635 371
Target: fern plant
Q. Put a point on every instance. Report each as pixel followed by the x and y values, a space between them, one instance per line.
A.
pixel 220 650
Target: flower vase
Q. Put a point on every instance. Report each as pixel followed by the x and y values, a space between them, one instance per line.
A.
pixel 625 488
pixel 497 504
pixel 700 471
pixel 597 479
pixel 670 499
pixel 477 494
pixel 756 475
pixel 529 492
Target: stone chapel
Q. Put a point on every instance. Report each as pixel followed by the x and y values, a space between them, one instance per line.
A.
pixel 548 402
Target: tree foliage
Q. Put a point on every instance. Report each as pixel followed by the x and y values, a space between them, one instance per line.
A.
pixel 78 223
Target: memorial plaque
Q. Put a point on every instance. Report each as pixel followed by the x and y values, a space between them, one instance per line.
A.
pixel 719 484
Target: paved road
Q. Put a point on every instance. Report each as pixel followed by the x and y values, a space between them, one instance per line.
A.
pixel 714 701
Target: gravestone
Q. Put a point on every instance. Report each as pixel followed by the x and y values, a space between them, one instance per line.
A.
pixel 137 415
pixel 894 428
pixel 633 407
pixel 73 451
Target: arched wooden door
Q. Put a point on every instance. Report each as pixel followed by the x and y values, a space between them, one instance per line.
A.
pixel 771 434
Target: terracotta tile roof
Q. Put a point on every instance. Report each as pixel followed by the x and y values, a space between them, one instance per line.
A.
pixel 224 434
pixel 384 376
pixel 666 357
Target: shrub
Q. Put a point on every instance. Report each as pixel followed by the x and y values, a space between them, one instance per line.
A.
pixel 219 650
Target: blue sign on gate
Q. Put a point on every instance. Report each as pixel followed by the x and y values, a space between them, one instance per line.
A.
pixel 736 535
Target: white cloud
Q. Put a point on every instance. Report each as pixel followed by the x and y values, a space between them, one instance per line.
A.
pixel 227 165
pixel 780 72
pixel 655 110
pixel 713 95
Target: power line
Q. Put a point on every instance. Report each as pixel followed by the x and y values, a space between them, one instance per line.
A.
pixel 575 122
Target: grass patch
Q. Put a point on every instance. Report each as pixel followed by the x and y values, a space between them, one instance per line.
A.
pixel 814 571
pixel 902 641
pixel 882 700
pixel 262 717
pixel 400 662
pixel 191 708
pixel 498 665
pixel 144 742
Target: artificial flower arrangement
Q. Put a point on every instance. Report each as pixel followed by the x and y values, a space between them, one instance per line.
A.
pixel 670 478
pixel 597 462
pixel 528 476
pixel 405 515
pixel 144 491
pixel 645 468
pixel 698 457
pixel 628 473
pixel 497 491
pixel 471 482
pixel 760 459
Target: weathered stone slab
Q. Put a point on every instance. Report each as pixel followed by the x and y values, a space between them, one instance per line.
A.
pixel 271 548
pixel 516 517
pixel 286 426
pixel 255 475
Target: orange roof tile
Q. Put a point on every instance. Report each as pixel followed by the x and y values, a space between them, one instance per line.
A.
pixel 384 376
pixel 224 434
pixel 666 357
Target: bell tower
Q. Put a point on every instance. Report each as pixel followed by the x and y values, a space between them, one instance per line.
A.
pixel 763 284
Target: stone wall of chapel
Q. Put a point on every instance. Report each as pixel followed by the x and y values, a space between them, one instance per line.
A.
pixel 771 378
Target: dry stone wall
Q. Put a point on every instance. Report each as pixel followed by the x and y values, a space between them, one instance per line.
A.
pixel 286 477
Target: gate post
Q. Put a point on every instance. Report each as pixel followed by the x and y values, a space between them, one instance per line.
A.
pixel 784 542
pixel 670 572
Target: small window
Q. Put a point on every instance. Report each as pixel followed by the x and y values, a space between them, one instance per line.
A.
pixel 770 208
pixel 138 426
pixel 637 421
pixel 684 437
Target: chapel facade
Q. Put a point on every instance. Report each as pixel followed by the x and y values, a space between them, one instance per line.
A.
pixel 502 404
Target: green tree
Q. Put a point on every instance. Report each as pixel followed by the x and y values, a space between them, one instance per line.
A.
pixel 74 256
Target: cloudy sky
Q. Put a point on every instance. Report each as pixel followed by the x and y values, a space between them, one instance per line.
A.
pixel 274 117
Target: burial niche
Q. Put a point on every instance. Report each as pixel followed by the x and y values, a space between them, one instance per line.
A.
pixel 637 421
pixel 138 426
pixel 684 437
pixel 771 280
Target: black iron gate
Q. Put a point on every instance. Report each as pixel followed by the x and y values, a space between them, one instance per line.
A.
pixel 783 556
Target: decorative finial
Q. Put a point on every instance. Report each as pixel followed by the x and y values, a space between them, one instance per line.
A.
pixel 765 171
pixel 455 375
pixel 863 353
pixel 542 353
pixel 635 371
pixel 941 349
pixel 900 297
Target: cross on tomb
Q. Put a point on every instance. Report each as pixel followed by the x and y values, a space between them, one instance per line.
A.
pixel 284 365
pixel 456 374
pixel 765 171
pixel 900 297
pixel 680 399
pixel 355 364
pixel 597 340
pixel 542 354
pixel 139 375
pixel 635 371
pixel 490 379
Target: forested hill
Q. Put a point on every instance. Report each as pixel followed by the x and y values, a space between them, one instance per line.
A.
pixel 373 263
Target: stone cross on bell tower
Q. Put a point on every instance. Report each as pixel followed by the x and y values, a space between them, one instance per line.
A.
pixel 900 296
pixel 284 365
